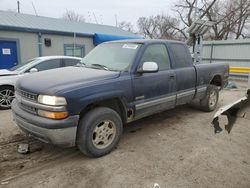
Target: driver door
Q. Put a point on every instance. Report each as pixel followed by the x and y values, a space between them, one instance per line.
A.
pixel 154 92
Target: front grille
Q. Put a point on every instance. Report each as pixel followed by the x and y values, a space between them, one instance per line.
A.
pixel 27 95
pixel 28 108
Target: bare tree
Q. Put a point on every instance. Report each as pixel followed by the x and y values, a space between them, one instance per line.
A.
pixel 233 19
pixel 160 26
pixel 73 16
pixel 231 16
pixel 147 27
pixel 127 26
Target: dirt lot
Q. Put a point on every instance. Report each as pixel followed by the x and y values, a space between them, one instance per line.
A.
pixel 177 148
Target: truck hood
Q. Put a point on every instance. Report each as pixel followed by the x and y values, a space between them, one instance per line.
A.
pixel 5 72
pixel 52 81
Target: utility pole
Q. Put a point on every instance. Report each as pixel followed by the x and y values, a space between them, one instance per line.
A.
pixel 18 6
pixel 116 22
pixel 196 31
pixel 196 13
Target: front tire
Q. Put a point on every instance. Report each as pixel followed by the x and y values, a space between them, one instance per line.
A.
pixel 209 103
pixel 7 94
pixel 99 132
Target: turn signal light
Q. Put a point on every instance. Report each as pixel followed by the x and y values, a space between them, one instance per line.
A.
pixel 53 115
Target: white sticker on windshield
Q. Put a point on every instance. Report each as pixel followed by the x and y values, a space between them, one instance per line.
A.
pixel 130 46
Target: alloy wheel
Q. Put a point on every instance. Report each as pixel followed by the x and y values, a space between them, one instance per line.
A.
pixel 104 134
pixel 212 99
pixel 6 97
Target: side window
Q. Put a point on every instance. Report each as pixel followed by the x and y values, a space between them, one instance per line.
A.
pixel 180 55
pixel 70 62
pixel 50 64
pixel 156 53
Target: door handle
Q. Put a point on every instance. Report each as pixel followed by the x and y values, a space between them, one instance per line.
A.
pixel 171 77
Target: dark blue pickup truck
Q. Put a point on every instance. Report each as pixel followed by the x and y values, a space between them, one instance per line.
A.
pixel 116 83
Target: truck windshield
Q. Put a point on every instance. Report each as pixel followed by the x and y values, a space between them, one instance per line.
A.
pixel 112 56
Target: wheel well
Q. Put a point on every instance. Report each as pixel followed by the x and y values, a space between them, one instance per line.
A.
pixel 1 86
pixel 217 81
pixel 115 104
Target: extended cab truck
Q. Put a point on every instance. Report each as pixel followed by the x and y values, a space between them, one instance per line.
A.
pixel 116 83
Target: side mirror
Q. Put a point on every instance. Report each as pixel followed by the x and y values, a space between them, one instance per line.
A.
pixel 149 67
pixel 32 70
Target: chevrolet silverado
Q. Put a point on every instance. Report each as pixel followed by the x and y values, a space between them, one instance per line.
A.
pixel 116 83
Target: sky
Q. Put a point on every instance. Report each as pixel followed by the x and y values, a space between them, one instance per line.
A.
pixel 105 11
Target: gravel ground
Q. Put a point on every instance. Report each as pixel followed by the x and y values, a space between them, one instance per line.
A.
pixel 176 148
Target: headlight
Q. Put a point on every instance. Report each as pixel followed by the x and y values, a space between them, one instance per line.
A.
pixel 51 100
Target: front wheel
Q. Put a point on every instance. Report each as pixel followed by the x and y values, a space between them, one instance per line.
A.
pixel 99 132
pixel 209 103
pixel 7 94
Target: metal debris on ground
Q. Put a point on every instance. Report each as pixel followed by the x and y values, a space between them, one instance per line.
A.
pixel 156 185
pixel 232 85
pixel 4 182
pixel 233 111
pixel 23 148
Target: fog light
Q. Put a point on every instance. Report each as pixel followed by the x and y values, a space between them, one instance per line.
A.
pixel 53 115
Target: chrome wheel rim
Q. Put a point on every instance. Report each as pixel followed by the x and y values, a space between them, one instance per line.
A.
pixel 104 134
pixel 6 97
pixel 212 99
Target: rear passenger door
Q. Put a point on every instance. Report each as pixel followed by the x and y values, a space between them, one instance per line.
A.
pixel 154 91
pixel 185 73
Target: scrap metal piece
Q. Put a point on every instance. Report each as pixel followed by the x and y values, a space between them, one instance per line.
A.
pixel 23 148
pixel 156 185
pixel 231 85
pixel 217 128
pixel 233 111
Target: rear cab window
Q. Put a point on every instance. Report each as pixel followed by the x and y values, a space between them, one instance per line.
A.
pixel 181 55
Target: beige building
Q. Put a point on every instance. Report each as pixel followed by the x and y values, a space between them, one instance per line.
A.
pixel 24 36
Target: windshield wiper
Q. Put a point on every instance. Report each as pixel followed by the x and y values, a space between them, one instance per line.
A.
pixel 101 66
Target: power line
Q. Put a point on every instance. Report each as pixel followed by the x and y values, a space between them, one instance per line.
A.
pixel 95 18
pixel 18 6
pixel 34 8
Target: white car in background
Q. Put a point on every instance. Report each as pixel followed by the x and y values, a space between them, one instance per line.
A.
pixel 9 77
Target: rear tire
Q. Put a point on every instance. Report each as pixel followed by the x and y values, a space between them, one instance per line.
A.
pixel 209 103
pixel 7 94
pixel 99 132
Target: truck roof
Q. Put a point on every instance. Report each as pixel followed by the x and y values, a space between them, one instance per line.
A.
pixel 145 41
